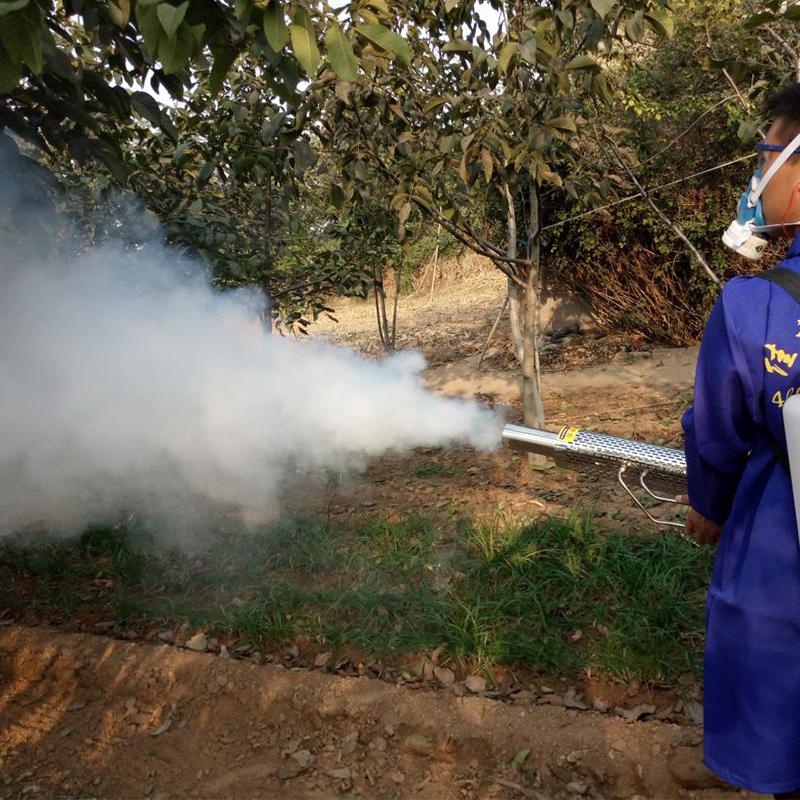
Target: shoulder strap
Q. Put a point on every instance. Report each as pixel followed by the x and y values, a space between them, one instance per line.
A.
pixel 789 281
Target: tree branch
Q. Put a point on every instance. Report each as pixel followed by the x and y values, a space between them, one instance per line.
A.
pixel 661 215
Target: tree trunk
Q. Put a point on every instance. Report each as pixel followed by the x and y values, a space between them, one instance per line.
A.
pixel 435 261
pixel 515 308
pixel 531 373
pixel 266 314
pixel 386 336
pixel 397 278
pixel 514 302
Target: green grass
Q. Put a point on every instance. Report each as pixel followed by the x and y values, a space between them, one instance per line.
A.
pixel 558 595
pixel 427 468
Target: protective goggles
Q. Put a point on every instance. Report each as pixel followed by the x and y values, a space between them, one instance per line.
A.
pixel 764 149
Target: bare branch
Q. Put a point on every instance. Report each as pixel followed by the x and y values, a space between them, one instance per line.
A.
pixel 661 215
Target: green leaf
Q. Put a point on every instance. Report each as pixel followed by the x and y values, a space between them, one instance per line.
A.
pixel 271 126
pixel 304 42
pixel 21 35
pixel 434 103
pixel 120 12
pixel 342 91
pixel 449 5
pixel 602 7
pixel 528 50
pixel 714 64
pixel 380 6
pixel 405 212
pixel 175 51
pixel 634 26
pixel 488 164
pixel 7 6
pixel 506 54
pixel 792 13
pixel 520 758
pixel 304 156
pixel 171 17
pixel 661 21
pixel 748 130
pixel 759 19
pixel 147 106
pixel 168 126
pixel 340 53
pixel 205 173
pixel 387 40
pixel 10 72
pixel 147 19
pixel 224 56
pixel 275 26
pixel 457 46
pixel 567 20
pixel 562 124
pixel 463 169
pixel 583 62
pixel 110 157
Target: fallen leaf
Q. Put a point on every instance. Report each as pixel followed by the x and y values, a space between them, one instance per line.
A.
pixel 349 744
pixel 444 675
pixel 633 714
pixel 418 743
pixel 322 660
pixel 198 643
pixel 162 728
pixel 304 759
pixel 571 700
pixel 694 711
pixel 475 683
pixel 341 773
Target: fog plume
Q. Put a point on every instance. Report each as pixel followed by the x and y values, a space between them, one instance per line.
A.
pixel 128 382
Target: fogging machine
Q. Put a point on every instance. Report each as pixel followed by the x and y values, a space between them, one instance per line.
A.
pixel 659 471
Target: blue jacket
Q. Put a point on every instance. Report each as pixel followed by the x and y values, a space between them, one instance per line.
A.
pixel 747 367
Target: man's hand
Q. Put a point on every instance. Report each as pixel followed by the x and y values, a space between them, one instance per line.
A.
pixel 702 530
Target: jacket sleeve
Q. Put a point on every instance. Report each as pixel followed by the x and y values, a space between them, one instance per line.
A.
pixel 719 427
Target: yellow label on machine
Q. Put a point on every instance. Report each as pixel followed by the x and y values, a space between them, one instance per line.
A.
pixel 568 434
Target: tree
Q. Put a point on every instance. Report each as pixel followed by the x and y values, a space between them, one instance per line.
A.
pixel 507 109
pixel 220 166
pixel 73 74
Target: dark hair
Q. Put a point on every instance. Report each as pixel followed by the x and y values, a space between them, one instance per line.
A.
pixel 785 106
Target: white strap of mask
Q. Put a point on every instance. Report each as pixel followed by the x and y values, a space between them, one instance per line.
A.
pixel 774 226
pixel 782 158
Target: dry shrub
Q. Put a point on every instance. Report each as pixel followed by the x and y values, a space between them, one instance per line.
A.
pixel 467 268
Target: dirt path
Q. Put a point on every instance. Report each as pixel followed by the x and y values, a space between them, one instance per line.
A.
pixel 659 369
pixel 85 716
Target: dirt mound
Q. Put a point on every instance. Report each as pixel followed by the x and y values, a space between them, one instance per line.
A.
pixel 82 716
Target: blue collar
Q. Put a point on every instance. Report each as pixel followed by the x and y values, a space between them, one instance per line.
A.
pixel 794 247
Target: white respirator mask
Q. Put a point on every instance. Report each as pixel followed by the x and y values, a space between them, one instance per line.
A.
pixel 744 234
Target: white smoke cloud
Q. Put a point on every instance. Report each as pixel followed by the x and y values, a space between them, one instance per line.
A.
pixel 126 381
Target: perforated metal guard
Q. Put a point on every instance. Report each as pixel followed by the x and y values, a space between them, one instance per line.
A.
pixel 601 455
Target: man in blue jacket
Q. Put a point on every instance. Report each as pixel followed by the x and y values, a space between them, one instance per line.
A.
pixel 740 492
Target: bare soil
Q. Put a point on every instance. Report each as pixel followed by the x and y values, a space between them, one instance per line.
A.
pixel 615 384
pixel 85 716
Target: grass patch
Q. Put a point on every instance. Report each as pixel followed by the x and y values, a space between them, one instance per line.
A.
pixel 427 468
pixel 559 595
